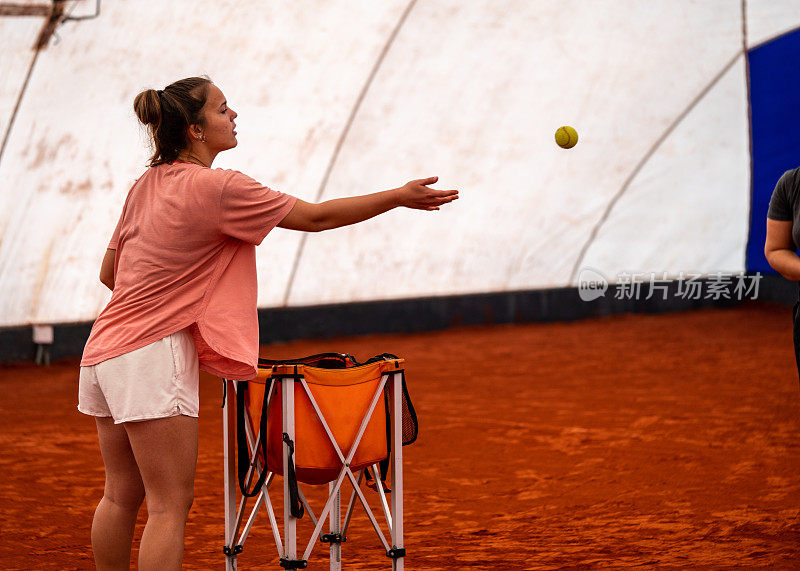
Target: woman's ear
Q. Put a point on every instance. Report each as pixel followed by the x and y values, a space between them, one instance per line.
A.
pixel 196 132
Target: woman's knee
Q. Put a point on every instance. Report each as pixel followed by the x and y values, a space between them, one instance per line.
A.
pixel 128 494
pixel 177 503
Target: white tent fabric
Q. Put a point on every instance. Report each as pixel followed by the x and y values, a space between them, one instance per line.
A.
pixel 527 206
pixel 469 91
pixel 767 19
pixel 688 193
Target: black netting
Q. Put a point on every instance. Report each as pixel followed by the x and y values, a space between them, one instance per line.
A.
pixel 410 425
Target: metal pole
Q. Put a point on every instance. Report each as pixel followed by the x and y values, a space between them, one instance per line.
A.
pixel 289 521
pixel 229 462
pixel 336 527
pixel 397 468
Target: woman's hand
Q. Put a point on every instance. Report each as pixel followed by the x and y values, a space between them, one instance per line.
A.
pixel 417 195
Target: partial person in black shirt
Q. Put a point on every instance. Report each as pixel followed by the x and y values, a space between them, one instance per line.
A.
pixel 783 238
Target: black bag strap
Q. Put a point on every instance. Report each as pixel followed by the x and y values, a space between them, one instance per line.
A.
pixel 295 507
pixel 384 464
pixel 321 360
pixel 376 358
pixel 244 460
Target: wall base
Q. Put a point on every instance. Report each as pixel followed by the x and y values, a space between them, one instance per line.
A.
pixel 420 314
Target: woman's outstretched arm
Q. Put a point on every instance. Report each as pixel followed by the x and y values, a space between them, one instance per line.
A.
pixel 339 212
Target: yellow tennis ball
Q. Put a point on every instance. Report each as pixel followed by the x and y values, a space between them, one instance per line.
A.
pixel 566 137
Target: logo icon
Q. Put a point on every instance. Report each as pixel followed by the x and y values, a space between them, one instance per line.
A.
pixel 591 284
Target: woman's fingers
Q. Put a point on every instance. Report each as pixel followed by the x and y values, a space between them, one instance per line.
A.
pixel 440 194
pixel 445 197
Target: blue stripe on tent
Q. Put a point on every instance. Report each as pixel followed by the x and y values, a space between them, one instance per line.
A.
pixel 775 124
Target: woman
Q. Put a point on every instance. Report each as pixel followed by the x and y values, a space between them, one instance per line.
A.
pixel 181 266
pixel 783 238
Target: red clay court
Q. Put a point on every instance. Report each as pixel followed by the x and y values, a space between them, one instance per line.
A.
pixel 627 441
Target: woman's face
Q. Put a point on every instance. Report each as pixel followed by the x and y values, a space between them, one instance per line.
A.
pixel 219 128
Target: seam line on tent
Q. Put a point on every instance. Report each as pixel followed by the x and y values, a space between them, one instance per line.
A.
pixel 745 53
pixel 651 151
pixel 40 44
pixel 21 95
pixel 340 143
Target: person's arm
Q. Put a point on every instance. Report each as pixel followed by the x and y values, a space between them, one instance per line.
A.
pixel 107 269
pixel 339 212
pixel 779 249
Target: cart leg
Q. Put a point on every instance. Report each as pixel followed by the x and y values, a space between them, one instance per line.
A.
pixel 229 456
pixel 289 521
pixel 397 471
pixel 336 528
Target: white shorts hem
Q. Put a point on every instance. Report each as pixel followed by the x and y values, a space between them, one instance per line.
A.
pixel 92 413
pixel 169 414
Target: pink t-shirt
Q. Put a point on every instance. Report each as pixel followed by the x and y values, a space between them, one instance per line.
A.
pixel 185 257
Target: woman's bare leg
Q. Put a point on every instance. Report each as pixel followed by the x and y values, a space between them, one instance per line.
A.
pixel 115 516
pixel 166 454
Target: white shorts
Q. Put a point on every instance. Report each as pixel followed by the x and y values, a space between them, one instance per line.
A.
pixel 155 381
